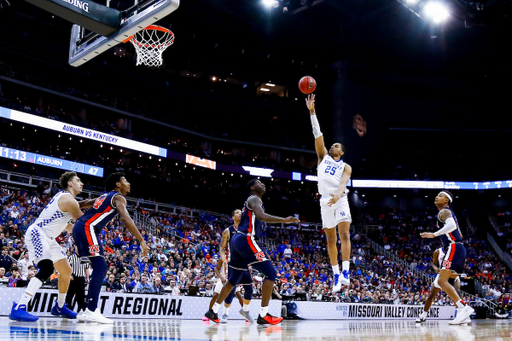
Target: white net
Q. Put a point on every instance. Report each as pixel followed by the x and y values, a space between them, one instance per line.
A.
pixel 150 43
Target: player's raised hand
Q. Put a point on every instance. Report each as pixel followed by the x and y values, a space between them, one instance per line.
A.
pixel 427 235
pixel 334 199
pixel 289 220
pixel 310 102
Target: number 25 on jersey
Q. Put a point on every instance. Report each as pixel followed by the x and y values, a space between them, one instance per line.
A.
pixel 330 170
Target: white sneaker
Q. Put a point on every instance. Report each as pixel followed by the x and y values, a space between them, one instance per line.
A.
pixel 95 317
pixel 466 321
pixel 345 277
pixel 224 319
pixel 462 315
pixel 421 320
pixel 337 284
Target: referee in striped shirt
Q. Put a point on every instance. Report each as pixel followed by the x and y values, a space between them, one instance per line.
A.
pixel 79 278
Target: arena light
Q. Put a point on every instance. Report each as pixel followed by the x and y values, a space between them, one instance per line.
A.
pixel 265 89
pixel 436 11
pixel 270 3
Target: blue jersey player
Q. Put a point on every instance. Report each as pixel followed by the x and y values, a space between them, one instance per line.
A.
pixel 87 229
pixel 245 251
pixel 455 253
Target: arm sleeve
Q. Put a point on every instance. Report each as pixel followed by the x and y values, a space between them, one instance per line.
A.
pixel 316 126
pixel 449 226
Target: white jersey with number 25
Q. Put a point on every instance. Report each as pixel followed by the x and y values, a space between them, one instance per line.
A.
pixel 329 176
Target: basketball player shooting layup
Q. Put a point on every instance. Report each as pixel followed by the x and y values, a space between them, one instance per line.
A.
pixel 58 215
pixel 86 231
pixel 333 176
pixel 455 255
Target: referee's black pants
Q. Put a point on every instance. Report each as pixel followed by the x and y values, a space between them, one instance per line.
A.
pixel 76 290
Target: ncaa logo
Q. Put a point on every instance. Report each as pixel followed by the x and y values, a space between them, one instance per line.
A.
pixel 343 309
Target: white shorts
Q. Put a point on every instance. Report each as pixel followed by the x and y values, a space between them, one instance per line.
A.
pixel 218 286
pixel 335 214
pixel 41 247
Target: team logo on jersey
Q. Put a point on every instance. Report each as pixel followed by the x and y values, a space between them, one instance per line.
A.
pixel 94 249
pixel 99 201
pixel 447 264
pixel 260 256
pixel 342 213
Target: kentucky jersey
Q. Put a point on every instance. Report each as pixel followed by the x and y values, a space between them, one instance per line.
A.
pixel 52 221
pixel 452 237
pixel 329 173
pixel 101 213
pixel 248 222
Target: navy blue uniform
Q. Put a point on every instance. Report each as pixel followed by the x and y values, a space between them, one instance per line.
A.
pixel 454 249
pixel 92 222
pixel 246 276
pixel 244 249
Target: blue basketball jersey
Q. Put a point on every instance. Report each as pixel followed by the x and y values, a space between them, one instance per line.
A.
pixel 248 222
pixel 101 213
pixel 453 237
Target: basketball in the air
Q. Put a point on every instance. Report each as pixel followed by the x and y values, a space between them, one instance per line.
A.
pixel 307 85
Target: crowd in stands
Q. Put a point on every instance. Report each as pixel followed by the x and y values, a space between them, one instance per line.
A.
pixel 184 251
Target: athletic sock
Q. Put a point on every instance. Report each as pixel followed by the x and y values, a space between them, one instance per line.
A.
pixel 61 299
pixel 226 310
pixel 460 304
pixel 34 285
pixel 345 265
pixel 216 307
pixel 263 311
pixel 424 315
pixel 245 307
pixel 336 269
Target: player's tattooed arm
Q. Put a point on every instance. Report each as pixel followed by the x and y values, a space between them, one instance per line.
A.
pixel 444 214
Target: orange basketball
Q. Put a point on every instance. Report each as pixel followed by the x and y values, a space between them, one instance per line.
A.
pixel 307 85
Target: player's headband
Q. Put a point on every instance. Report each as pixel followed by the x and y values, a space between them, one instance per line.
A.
pixel 447 195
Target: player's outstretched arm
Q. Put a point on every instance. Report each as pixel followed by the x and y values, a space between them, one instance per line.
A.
pixel 255 203
pixel 87 203
pixel 321 151
pixel 125 218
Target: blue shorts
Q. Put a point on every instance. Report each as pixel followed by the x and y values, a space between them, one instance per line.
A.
pixel 455 257
pixel 244 280
pixel 86 240
pixel 245 251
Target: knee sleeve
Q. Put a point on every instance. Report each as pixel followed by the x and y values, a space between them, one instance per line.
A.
pixel 267 269
pixel 45 270
pixel 248 292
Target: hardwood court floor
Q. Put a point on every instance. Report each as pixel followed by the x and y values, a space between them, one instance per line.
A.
pixel 136 329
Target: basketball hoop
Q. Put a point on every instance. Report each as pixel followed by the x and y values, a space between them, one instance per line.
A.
pixel 149 44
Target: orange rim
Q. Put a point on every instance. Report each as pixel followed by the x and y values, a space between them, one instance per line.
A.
pixel 155 28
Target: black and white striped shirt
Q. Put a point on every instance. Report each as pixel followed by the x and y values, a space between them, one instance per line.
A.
pixel 78 268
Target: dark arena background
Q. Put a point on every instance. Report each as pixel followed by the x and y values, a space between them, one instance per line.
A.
pixel 417 91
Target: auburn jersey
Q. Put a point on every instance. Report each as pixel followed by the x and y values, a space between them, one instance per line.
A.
pixel 248 222
pixel 452 237
pixel 101 213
